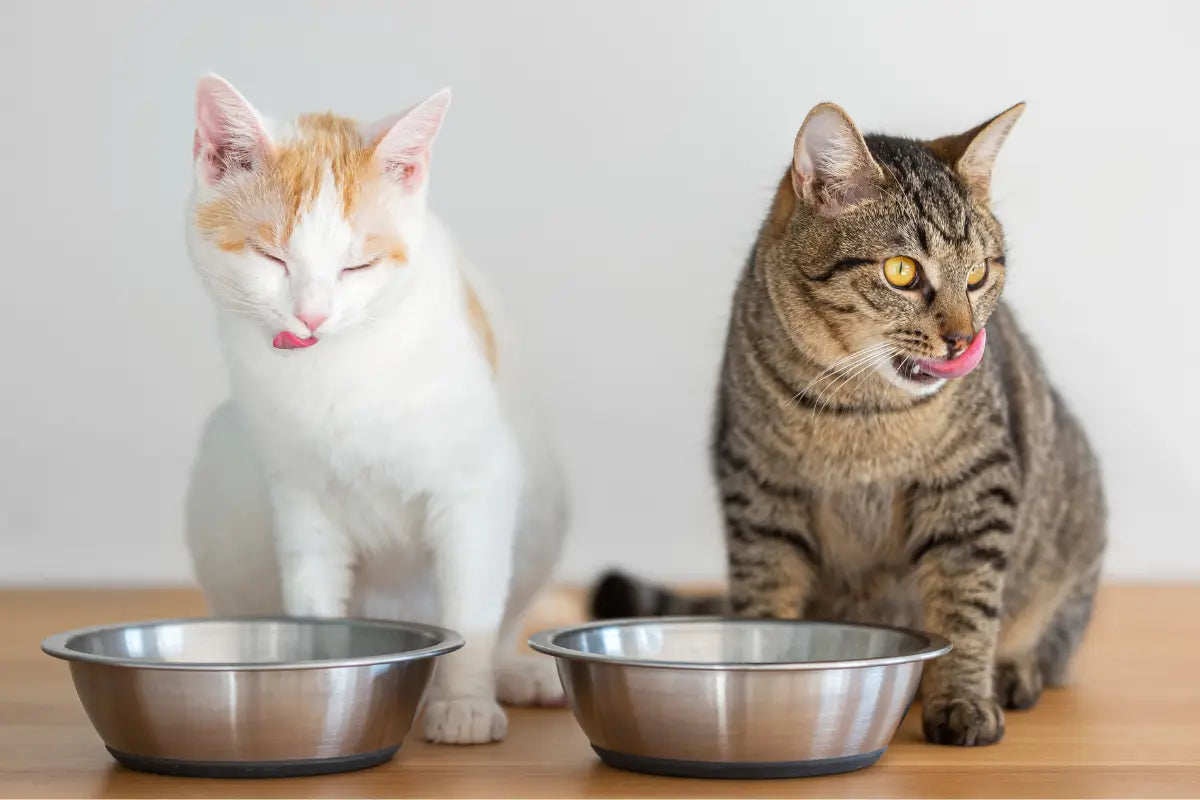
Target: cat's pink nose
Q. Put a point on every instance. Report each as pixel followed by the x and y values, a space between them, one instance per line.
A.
pixel 311 319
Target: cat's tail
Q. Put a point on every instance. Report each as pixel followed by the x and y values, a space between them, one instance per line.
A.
pixel 617 596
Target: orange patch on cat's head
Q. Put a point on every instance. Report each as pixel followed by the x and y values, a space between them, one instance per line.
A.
pixel 267 201
pixel 389 247
pixel 268 234
pixel 224 223
pixel 324 141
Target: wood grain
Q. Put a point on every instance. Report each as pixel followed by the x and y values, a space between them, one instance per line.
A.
pixel 1129 727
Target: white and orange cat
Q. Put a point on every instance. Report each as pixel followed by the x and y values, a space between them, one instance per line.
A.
pixel 380 454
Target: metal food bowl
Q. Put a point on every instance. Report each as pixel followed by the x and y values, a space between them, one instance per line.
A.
pixel 252 697
pixel 726 698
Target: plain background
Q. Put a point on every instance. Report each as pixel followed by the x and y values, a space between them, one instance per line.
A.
pixel 607 164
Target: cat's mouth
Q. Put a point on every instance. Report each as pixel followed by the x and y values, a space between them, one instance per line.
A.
pixel 286 340
pixel 925 371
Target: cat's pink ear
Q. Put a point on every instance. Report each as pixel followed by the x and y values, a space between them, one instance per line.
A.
pixel 229 133
pixel 405 140
pixel 973 154
pixel 831 166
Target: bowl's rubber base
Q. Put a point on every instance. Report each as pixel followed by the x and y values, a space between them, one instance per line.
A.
pixel 253 769
pixel 737 769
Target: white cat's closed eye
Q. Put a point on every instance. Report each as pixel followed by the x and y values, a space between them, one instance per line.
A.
pixel 360 267
pixel 276 259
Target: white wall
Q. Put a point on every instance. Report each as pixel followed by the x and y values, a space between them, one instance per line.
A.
pixel 608 164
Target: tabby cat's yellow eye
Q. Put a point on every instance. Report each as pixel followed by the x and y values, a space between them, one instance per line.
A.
pixel 900 271
pixel 977 276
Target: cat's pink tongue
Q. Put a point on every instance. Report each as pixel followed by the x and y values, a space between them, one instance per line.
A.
pixel 961 364
pixel 286 340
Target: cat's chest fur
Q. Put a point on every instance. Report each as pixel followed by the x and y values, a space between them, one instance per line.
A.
pixel 391 412
pixel 374 425
pixel 844 453
pixel 864 573
pixel 857 527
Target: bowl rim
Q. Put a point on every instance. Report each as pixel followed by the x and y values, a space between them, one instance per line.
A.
pixel 544 642
pixel 57 645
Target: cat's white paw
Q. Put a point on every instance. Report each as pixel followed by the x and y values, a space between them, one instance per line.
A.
pixel 529 681
pixel 465 720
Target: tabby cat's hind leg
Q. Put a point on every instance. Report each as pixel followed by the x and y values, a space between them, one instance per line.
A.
pixel 1019 682
pixel 1021 676
pixel 1061 639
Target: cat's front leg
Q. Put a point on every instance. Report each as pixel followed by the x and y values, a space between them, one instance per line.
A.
pixel 960 532
pixel 471 533
pixel 316 560
pixel 772 551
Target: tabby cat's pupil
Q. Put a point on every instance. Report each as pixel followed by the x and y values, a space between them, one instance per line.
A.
pixel 978 275
pixel 900 271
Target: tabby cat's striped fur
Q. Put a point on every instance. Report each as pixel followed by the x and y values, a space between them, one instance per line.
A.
pixel 853 488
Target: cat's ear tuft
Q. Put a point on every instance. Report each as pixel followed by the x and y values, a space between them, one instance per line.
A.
pixel 230 135
pixel 403 148
pixel 973 154
pixel 831 166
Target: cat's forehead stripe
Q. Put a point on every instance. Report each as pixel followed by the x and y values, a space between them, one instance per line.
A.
pixel 322 141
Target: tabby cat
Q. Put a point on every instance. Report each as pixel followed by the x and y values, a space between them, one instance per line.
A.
pixel 881 455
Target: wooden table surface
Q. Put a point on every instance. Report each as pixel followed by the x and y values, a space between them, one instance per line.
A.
pixel 1129 727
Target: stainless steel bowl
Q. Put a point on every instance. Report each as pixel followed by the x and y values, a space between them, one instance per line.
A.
pixel 725 698
pixel 252 697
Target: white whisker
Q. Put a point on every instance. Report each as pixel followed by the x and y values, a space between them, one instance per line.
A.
pixel 840 366
pixel 865 377
pixel 870 364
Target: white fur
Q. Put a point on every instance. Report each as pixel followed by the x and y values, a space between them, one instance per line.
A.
pixel 386 471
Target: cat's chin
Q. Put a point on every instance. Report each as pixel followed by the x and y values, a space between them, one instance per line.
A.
pixel 907 375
